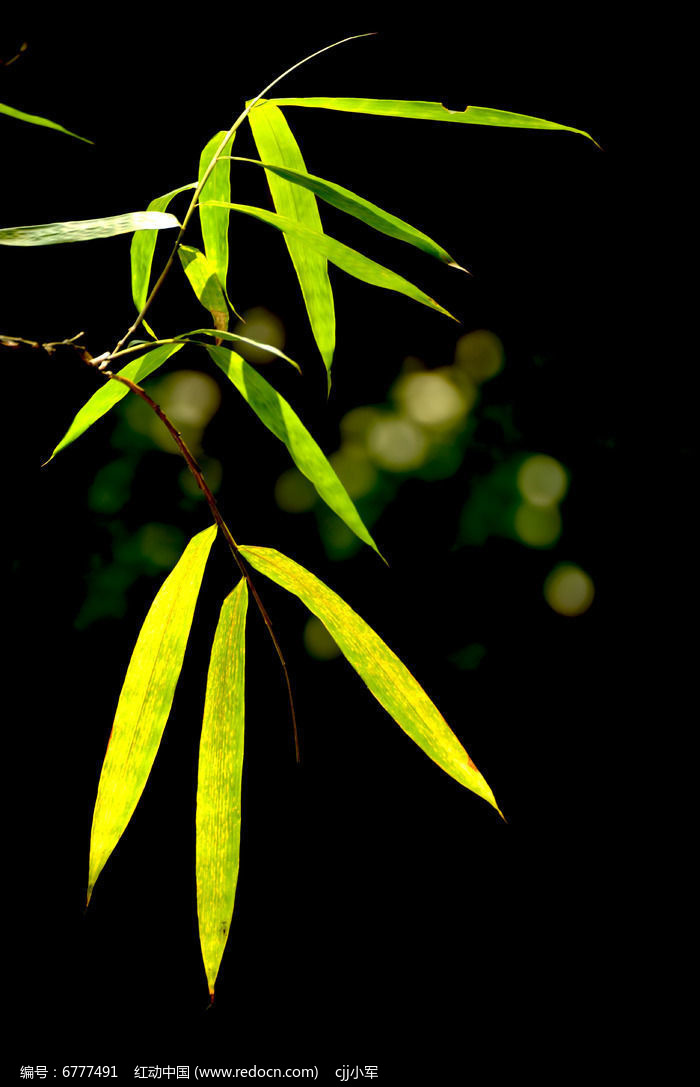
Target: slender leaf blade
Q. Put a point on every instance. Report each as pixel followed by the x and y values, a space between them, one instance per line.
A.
pixel 387 678
pixel 145 701
pixel 280 418
pixel 352 262
pixel 143 246
pixel 214 221
pixel 205 283
pixel 218 821
pixel 86 230
pixel 218 334
pixel 428 111
pixel 33 119
pixel 112 392
pixel 276 144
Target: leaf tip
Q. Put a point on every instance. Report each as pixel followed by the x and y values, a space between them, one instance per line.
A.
pixel 454 264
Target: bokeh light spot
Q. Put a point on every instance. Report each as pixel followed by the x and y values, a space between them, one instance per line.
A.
pixel 480 354
pixel 537 526
pixel 294 493
pixel 263 326
pixel 431 399
pixel 542 480
pixel 318 642
pixel 397 444
pixel 569 590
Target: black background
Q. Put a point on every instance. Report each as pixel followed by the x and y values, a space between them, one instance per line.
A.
pixel 384 915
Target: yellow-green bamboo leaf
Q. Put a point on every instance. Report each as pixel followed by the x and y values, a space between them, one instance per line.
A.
pixel 388 679
pixel 112 392
pixel 352 262
pixel 220 772
pixel 276 144
pixel 143 246
pixel 86 230
pixel 205 283
pixel 145 701
pixel 214 221
pixel 218 334
pixel 427 111
pixel 359 208
pixel 280 418
pixel 33 119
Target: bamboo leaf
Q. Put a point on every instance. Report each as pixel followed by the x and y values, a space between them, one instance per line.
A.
pixel 276 144
pixel 112 392
pixel 205 284
pixel 235 337
pixel 277 415
pixel 357 206
pixel 214 221
pixel 427 111
pixel 387 678
pixel 145 701
pixel 218 819
pixel 352 262
pixel 143 246
pixel 32 119
pixel 86 230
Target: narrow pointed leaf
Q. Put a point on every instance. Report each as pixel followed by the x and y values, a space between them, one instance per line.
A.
pixel 145 701
pixel 357 206
pixel 276 144
pixel 352 262
pixel 205 284
pixel 235 337
pixel 86 230
pixel 427 111
pixel 387 678
pixel 143 247
pixel 32 119
pixel 277 415
pixel 219 782
pixel 214 221
pixel 112 392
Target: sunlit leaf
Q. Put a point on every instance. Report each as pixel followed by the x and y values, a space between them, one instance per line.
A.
pixel 214 221
pixel 357 206
pixel 277 415
pixel 205 284
pixel 32 119
pixel 111 392
pixel 86 230
pixel 427 111
pixel 235 337
pixel 219 782
pixel 352 262
pixel 387 678
pixel 276 144
pixel 143 246
pixel 145 701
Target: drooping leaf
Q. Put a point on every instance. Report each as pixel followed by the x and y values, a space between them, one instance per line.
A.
pixel 214 221
pixel 427 111
pixel 86 230
pixel 219 782
pixel 145 701
pixel 277 415
pixel 205 284
pixel 235 337
pixel 112 392
pixel 357 206
pixel 276 144
pixel 143 246
pixel 387 678
pixel 352 262
pixel 32 119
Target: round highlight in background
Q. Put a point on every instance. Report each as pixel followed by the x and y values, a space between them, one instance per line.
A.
pixel 537 526
pixel 318 642
pixel 569 590
pixel 542 480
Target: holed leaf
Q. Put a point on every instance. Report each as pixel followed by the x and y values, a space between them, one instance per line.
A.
pixel 143 246
pixel 145 701
pixel 205 284
pixel 113 391
pixel 219 782
pixel 387 678
pixel 86 230
pixel 33 119
pixel 279 417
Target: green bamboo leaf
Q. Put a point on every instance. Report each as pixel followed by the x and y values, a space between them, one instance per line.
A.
pixel 145 701
pixel 32 119
pixel 427 111
pixel 143 246
pixel 112 392
pixel 214 221
pixel 219 782
pixel 352 262
pixel 86 230
pixel 277 415
pixel 387 678
pixel 357 206
pixel 205 284
pixel 276 144
pixel 234 336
